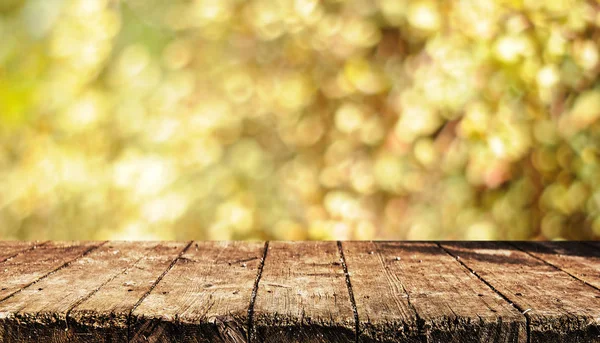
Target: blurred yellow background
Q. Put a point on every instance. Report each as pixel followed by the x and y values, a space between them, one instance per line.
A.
pixel 299 119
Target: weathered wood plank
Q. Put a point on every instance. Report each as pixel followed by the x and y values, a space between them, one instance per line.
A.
pixel 30 266
pixel 104 317
pixel 40 312
pixel 10 249
pixel 34 264
pixel 302 295
pixel 559 308
pixel 384 310
pixel 389 278
pixel 578 259
pixel 403 291
pixel 203 298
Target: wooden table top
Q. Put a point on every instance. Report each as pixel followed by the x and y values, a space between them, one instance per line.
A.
pixel 299 292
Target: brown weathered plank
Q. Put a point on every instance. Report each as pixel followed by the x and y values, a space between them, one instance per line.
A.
pixel 404 292
pixel 203 298
pixel 389 279
pixel 104 317
pixel 39 313
pixel 559 308
pixel 302 295
pixel 10 249
pixel 384 310
pixel 30 266
pixel 578 259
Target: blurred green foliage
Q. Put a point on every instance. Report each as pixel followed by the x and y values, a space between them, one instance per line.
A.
pixel 299 119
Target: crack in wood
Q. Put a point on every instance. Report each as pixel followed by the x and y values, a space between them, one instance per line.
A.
pixel 24 250
pixel 350 292
pixel 426 279
pixel 553 266
pixel 64 265
pixel 158 280
pixel 523 312
pixel 94 291
pixel 250 328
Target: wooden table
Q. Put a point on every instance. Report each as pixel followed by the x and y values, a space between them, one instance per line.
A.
pixel 299 292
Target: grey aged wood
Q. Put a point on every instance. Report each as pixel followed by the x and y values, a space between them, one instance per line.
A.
pixel 423 278
pixel 299 292
pixel 559 308
pixel 302 295
pixel 204 298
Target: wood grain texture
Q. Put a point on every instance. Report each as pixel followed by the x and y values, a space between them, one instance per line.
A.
pixel 302 295
pixel 40 312
pixel 104 317
pixel 559 308
pixel 384 310
pixel 32 265
pixel 389 278
pixel 578 259
pixel 300 292
pixel 203 298
pixel 10 249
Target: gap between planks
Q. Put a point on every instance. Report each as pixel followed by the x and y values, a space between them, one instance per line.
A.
pixel 250 326
pixel 347 273
pixel 158 280
pixel 94 291
pixel 22 251
pixel 350 292
pixel 554 265
pixel 125 270
pixel 64 265
pixel 348 282
pixel 523 312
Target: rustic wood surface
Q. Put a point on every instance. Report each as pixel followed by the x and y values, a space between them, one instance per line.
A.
pixel 581 260
pixel 300 292
pixel 104 315
pixel 428 280
pixel 302 295
pixel 205 296
pixel 558 306
pixel 11 249
pixel 384 309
